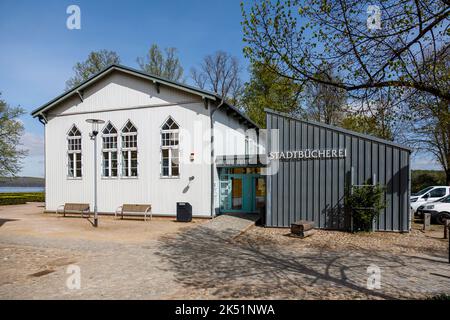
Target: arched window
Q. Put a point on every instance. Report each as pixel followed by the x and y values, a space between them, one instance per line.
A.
pixel 170 154
pixel 109 151
pixel 129 150
pixel 74 152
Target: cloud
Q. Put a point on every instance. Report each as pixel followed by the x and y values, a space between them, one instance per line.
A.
pixel 424 162
pixel 34 143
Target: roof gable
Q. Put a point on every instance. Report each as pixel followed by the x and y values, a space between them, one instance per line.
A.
pixel 39 112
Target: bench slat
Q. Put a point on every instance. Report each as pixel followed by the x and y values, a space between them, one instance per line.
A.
pixel 76 206
pixel 136 207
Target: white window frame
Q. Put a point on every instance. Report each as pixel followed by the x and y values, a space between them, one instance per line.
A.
pixel 110 152
pixel 77 153
pixel 128 150
pixel 169 149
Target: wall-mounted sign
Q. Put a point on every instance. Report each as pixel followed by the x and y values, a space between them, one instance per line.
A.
pixel 308 154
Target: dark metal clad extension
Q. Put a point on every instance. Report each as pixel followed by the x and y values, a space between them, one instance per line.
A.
pixel 314 189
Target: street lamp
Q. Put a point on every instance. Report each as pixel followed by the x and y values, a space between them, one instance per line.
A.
pixel 93 135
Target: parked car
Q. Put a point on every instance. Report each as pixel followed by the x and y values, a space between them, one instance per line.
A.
pixel 428 194
pixel 439 210
pixel 420 210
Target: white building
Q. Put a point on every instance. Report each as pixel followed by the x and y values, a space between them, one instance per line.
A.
pixel 154 147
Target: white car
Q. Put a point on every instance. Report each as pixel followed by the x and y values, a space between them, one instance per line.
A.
pixel 439 210
pixel 429 194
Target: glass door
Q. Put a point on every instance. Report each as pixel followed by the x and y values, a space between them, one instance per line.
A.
pixel 225 193
pixel 236 193
pixel 241 192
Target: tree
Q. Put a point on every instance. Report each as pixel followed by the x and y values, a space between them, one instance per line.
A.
pixel 366 124
pixel 11 130
pixel 95 62
pixel 378 117
pixel 266 89
pixel 297 37
pixel 165 65
pixel 421 179
pixel 325 103
pixel 428 116
pixel 220 73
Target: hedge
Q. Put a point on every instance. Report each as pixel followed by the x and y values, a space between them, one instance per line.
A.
pixel 21 198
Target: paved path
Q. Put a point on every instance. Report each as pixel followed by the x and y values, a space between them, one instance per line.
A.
pixel 200 261
pixel 232 224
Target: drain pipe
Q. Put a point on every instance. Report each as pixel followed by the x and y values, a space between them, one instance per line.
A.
pixel 212 153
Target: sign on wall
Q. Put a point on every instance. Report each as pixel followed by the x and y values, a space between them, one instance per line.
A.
pixel 308 154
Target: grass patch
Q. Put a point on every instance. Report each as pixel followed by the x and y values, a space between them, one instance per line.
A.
pixel 21 197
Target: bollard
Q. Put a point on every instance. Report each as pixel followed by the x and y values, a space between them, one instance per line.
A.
pixel 426 221
pixel 446 228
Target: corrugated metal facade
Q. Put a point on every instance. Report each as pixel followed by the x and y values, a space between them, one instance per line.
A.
pixel 314 189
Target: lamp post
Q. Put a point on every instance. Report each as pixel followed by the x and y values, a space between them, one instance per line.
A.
pixel 93 135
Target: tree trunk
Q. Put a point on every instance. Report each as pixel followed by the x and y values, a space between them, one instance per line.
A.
pixel 447 176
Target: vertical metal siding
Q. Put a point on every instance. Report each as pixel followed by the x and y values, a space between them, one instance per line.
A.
pixel 315 189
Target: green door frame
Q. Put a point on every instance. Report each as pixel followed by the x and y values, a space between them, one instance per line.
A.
pixel 248 192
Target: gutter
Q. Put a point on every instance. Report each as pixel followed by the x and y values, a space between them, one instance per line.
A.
pixel 211 114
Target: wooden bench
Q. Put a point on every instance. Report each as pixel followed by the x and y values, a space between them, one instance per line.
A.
pixel 74 208
pixel 134 209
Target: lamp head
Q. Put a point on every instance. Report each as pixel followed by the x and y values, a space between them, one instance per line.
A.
pixel 95 123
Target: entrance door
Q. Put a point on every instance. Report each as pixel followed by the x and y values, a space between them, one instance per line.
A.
pixel 239 192
pixel 237 199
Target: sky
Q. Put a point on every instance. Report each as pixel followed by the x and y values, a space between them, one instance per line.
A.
pixel 38 51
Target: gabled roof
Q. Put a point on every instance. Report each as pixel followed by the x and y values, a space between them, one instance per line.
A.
pixel 339 129
pixel 204 94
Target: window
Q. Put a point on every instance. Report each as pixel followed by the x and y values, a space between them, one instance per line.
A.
pixel 74 153
pixel 170 164
pixel 129 150
pixel 109 151
pixel 437 193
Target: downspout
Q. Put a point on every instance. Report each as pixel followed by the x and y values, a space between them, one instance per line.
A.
pixel 212 153
pixel 43 119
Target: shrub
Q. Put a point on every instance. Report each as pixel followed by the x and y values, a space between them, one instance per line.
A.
pixel 365 203
pixel 21 197
pixel 8 200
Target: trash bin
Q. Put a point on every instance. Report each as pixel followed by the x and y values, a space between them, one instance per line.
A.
pixel 184 212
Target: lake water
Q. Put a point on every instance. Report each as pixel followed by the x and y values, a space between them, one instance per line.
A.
pixel 21 189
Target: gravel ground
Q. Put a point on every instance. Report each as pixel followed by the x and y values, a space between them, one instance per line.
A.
pixel 206 259
pixel 266 263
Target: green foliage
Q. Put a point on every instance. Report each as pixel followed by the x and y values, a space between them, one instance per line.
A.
pixel 95 62
pixel 10 200
pixel 166 65
pixel 21 198
pixel 421 179
pixel 298 36
pixel 365 203
pixel 266 89
pixel 428 117
pixel 11 130
pixel 366 124
pixel 325 103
